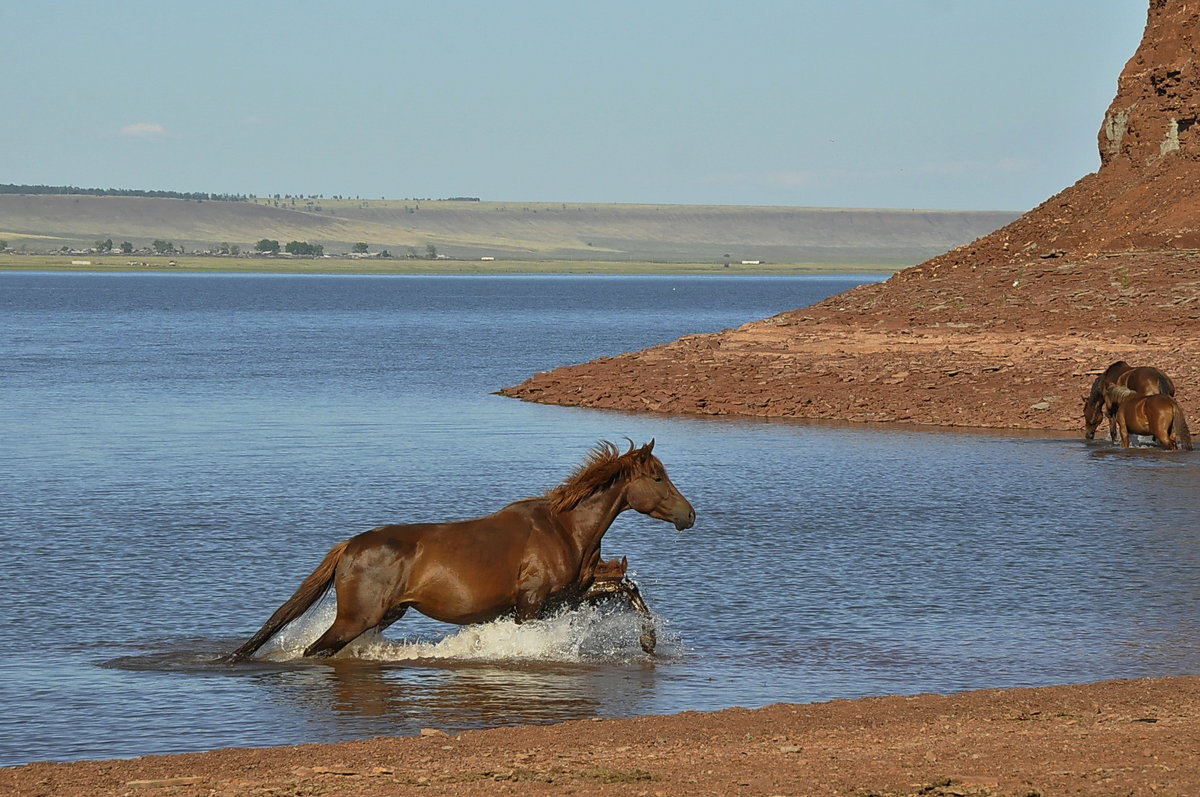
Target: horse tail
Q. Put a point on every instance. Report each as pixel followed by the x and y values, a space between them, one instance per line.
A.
pixel 306 595
pixel 1181 429
pixel 1165 385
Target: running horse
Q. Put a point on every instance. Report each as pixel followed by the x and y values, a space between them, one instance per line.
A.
pixel 1158 415
pixel 530 557
pixel 1144 379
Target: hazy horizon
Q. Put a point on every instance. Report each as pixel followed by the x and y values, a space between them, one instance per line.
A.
pixel 933 104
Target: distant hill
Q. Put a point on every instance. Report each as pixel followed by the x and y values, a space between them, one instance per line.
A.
pixel 524 230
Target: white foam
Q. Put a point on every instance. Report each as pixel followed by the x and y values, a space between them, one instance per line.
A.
pixel 585 634
pixel 291 641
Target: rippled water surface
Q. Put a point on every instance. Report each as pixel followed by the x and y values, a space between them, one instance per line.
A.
pixel 178 451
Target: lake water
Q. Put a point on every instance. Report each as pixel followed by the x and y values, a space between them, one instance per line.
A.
pixel 178 451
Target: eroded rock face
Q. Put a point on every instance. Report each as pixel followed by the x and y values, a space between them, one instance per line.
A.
pixel 1007 331
pixel 1154 112
pixel 1145 194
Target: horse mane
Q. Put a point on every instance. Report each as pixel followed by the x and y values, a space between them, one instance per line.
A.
pixel 1119 393
pixel 604 465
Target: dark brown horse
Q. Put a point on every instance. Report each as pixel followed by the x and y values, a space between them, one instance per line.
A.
pixel 528 557
pixel 1157 415
pixel 609 580
pixel 1144 379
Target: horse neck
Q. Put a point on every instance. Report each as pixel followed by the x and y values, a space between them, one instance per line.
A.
pixel 588 520
pixel 1116 369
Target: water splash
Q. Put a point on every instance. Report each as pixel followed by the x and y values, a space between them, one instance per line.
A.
pixel 585 634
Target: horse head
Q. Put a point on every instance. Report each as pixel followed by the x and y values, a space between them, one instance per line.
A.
pixel 1093 414
pixel 1093 408
pixel 651 492
pixel 1097 403
pixel 611 569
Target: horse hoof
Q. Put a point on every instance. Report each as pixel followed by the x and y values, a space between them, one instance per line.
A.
pixel 648 642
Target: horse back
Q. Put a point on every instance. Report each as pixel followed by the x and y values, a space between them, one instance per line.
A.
pixel 1147 380
pixel 501 543
pixel 463 571
pixel 1112 372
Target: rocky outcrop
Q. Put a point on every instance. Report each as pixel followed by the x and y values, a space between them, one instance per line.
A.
pixel 1154 111
pixel 1007 331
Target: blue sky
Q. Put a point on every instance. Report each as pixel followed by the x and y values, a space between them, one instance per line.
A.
pixel 955 104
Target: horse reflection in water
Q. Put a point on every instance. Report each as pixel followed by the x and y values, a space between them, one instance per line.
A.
pixel 1144 379
pixel 530 557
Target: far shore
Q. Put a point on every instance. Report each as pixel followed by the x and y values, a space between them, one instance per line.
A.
pixel 374 265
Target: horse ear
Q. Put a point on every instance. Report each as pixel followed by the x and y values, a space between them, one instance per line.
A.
pixel 649 447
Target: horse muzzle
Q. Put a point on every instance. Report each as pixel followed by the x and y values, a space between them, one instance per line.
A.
pixel 684 518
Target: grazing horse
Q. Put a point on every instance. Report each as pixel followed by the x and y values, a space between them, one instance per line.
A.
pixel 610 580
pixel 1157 415
pixel 530 556
pixel 1144 379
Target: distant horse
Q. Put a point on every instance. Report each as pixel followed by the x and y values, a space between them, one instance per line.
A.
pixel 530 556
pixel 1157 415
pixel 1144 379
pixel 610 580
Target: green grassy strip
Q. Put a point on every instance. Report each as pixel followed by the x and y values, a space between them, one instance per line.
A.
pixel 270 265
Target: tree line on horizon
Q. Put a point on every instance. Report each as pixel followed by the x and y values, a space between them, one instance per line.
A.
pixel 9 188
pixel 199 196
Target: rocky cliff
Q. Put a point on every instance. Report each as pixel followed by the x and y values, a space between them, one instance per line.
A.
pixel 1007 331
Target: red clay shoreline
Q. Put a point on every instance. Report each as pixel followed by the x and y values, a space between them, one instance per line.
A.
pixel 1020 352
pixel 1129 737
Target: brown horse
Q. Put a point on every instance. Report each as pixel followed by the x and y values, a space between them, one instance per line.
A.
pixel 610 580
pixel 1144 379
pixel 530 556
pixel 1157 415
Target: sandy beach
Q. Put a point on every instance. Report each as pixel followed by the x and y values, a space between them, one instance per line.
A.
pixel 1134 737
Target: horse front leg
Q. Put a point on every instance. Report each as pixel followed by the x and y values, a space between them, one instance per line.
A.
pixel 1123 431
pixel 629 590
pixel 649 636
pixel 530 603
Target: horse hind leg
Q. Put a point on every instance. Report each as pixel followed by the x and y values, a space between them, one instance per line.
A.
pixel 392 615
pixel 356 614
pixel 340 634
pixel 1122 431
pixel 1164 434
